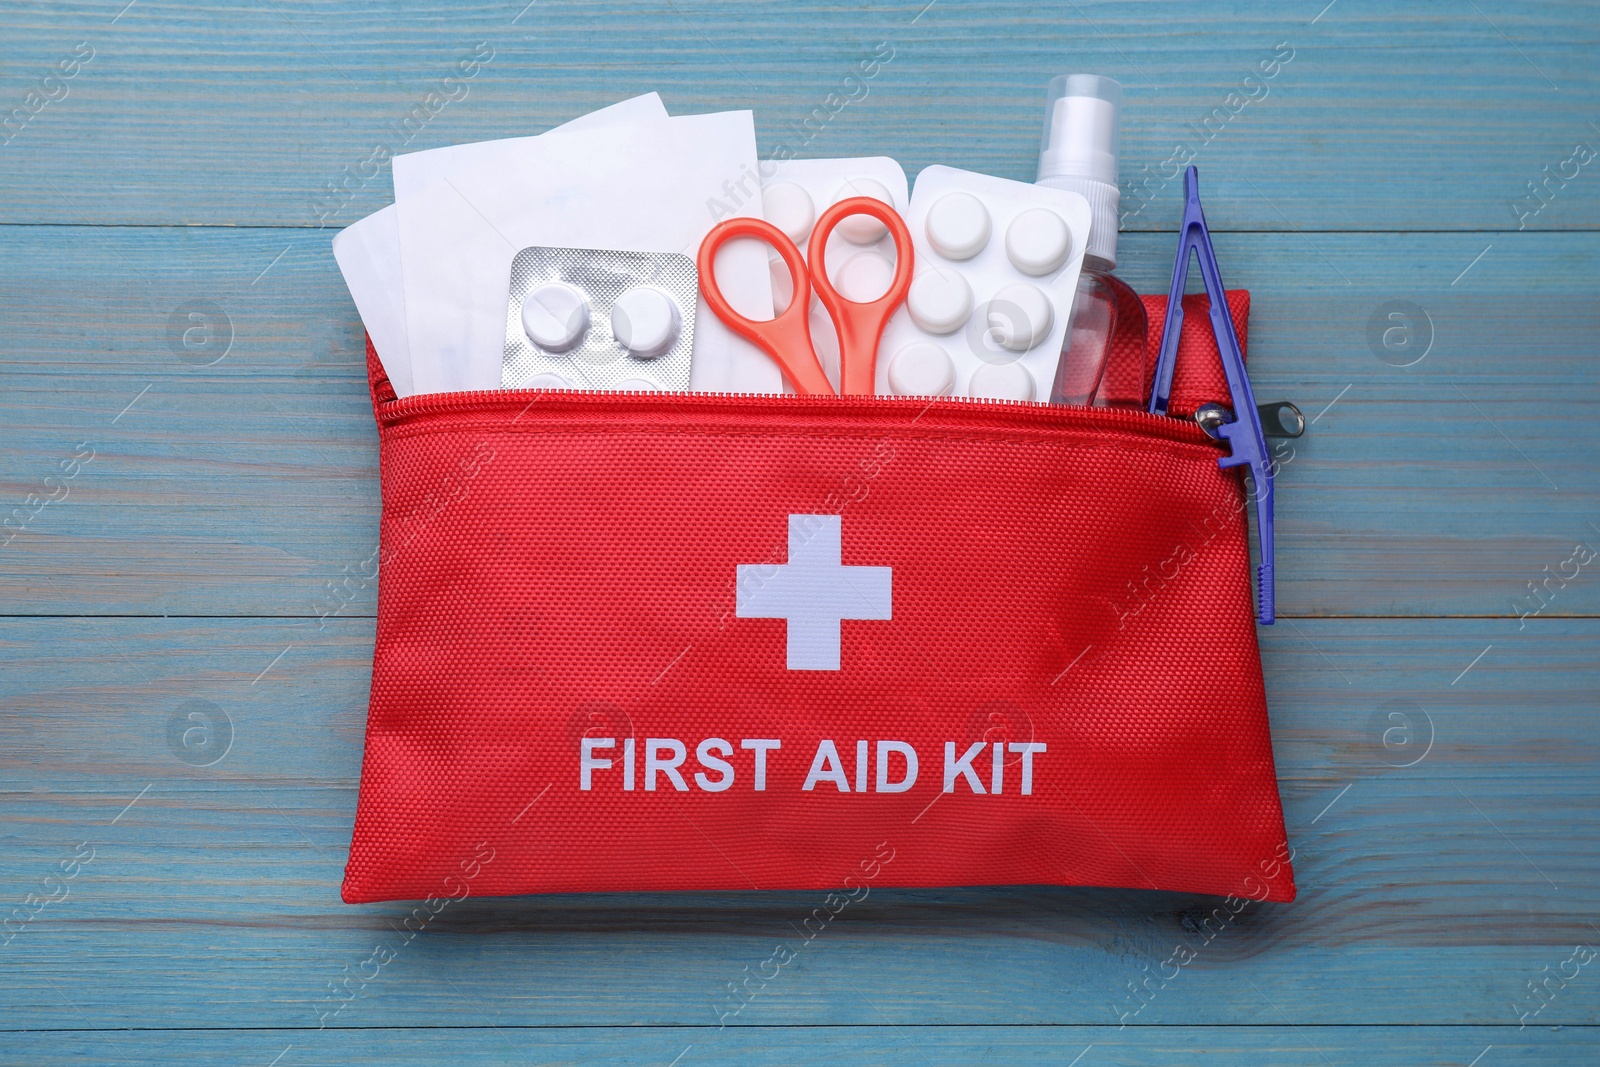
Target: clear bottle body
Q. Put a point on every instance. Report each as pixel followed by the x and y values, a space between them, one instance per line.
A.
pixel 1105 311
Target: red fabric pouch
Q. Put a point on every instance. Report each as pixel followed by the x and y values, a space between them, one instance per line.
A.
pixel 690 641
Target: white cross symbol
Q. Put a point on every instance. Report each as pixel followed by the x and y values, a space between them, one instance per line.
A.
pixel 814 591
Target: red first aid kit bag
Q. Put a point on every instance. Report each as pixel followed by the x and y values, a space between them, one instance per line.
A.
pixel 695 641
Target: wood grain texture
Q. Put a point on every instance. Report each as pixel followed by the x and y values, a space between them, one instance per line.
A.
pixel 1432 116
pixel 902 1046
pixel 1437 755
pixel 246 487
pixel 1443 887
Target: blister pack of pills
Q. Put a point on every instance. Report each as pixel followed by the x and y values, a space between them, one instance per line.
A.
pixel 997 265
pixel 860 254
pixel 591 318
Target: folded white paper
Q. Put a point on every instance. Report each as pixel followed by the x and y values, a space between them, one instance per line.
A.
pixel 370 256
pixel 368 252
pixel 651 186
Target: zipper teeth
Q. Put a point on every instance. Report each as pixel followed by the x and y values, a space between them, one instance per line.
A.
pixel 1132 419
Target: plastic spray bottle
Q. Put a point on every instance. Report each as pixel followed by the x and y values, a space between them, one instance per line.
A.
pixel 1079 153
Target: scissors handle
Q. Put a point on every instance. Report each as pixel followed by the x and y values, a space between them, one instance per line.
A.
pixel 860 325
pixel 786 337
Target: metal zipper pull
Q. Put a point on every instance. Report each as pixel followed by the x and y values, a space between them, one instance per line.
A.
pixel 1279 419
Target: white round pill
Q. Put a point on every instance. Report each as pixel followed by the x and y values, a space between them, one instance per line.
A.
pixel 864 277
pixel 940 300
pixel 788 207
pixel 637 385
pixel 645 321
pixel 555 316
pixel 547 381
pixel 1002 381
pixel 862 229
pixel 921 369
pixel 1038 242
pixel 957 226
pixel 1019 316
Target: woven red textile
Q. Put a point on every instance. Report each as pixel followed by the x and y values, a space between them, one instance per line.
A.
pixel 1197 378
pixel 563 566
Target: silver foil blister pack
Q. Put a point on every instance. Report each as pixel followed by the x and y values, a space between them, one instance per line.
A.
pixel 592 318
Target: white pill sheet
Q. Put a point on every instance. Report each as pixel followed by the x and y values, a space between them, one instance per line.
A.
pixel 647 185
pixel 997 266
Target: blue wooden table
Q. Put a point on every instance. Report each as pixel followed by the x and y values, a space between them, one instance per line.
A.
pixel 1412 196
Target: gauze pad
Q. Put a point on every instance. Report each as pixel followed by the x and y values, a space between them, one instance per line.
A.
pixel 651 186
pixel 368 253
pixel 370 256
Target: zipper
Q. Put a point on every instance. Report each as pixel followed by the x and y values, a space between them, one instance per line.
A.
pixel 943 412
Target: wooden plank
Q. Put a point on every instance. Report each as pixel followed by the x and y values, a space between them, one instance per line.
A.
pixel 1430 118
pixel 902 1046
pixel 247 487
pixel 1431 893
pixel 1439 775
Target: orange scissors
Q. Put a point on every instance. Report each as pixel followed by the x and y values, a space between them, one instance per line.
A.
pixel 787 337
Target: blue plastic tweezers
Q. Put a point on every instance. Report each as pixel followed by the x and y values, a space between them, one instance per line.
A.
pixel 1246 441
